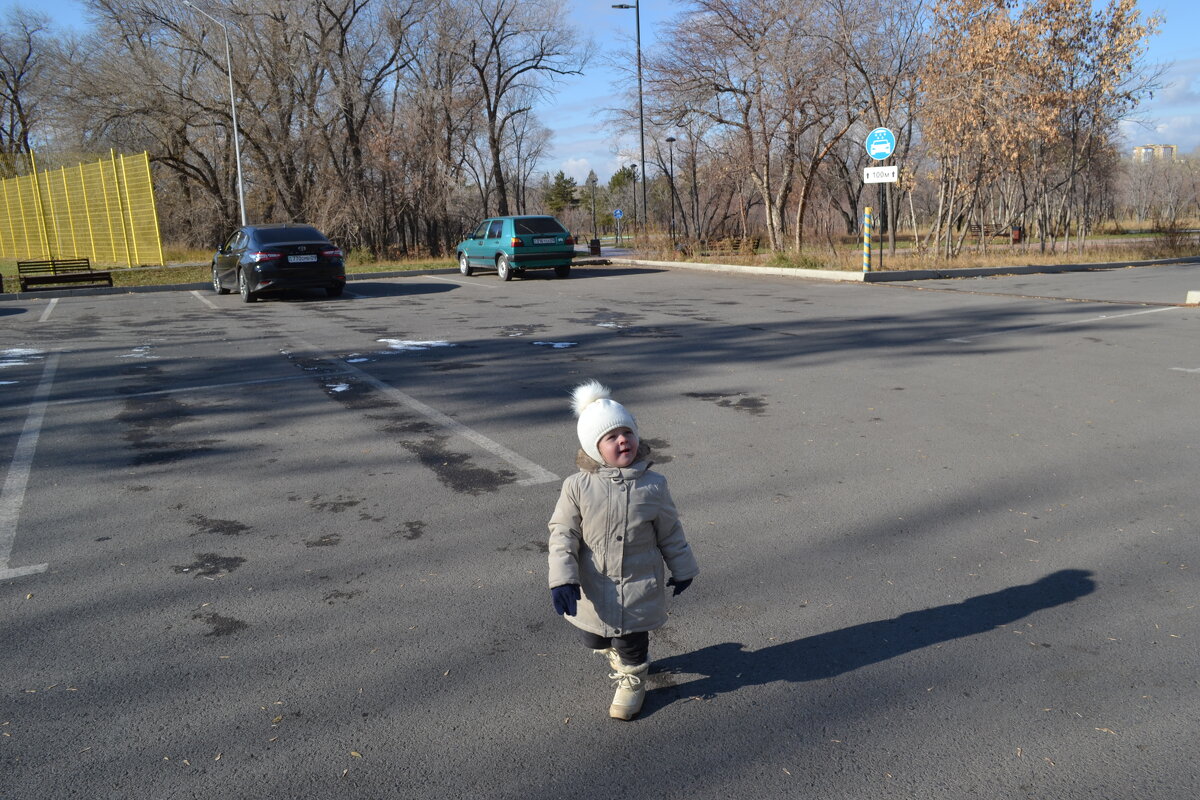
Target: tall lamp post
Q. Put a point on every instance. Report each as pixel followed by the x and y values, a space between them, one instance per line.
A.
pixel 594 244
pixel 237 148
pixel 633 169
pixel 671 183
pixel 637 17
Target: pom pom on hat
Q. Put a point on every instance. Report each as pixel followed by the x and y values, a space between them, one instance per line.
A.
pixel 598 414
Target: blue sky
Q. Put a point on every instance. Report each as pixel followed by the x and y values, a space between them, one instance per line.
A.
pixel 576 112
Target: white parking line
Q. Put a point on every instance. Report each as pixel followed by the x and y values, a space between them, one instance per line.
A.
pixel 465 282
pixel 1185 369
pixel 205 300
pixel 49 308
pixel 1101 318
pixel 12 496
pixel 536 474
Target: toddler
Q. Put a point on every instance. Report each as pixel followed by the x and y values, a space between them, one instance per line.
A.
pixel 613 528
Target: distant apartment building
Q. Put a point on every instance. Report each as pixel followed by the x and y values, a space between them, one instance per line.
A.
pixel 1154 152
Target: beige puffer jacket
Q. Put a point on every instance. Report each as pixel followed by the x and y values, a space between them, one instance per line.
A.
pixel 610 533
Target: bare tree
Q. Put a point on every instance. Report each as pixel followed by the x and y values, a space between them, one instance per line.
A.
pixel 24 42
pixel 514 48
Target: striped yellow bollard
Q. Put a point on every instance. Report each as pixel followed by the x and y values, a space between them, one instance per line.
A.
pixel 867 239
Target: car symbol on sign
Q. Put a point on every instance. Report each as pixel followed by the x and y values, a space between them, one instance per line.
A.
pixel 881 148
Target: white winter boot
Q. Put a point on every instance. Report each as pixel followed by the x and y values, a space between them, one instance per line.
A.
pixel 631 688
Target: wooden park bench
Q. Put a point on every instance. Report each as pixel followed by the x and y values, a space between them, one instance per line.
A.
pixel 729 247
pixel 987 231
pixel 47 273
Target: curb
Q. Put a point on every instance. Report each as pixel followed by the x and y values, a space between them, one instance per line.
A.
pixel 898 275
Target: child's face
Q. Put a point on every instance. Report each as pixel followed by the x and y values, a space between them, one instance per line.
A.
pixel 618 447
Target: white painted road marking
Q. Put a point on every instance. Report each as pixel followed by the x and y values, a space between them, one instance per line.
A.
pixel 12 496
pixel 1101 318
pixel 467 282
pixel 204 300
pixel 536 473
pixel 1185 369
pixel 49 308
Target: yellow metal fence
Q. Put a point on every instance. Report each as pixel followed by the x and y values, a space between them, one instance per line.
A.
pixel 104 211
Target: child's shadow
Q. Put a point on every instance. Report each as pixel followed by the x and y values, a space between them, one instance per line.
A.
pixel 727 667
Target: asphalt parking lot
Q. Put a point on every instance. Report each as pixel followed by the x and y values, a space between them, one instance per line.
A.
pixel 297 548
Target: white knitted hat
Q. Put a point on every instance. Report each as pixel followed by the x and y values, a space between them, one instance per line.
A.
pixel 598 414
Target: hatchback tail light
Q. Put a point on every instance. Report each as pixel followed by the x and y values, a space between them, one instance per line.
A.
pixel 264 255
pixel 332 252
pixel 516 242
pixel 570 240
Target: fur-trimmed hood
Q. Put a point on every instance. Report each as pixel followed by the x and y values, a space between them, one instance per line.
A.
pixel 589 464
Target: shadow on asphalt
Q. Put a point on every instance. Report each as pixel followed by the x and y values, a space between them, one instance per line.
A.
pixel 578 272
pixel 363 288
pixel 728 667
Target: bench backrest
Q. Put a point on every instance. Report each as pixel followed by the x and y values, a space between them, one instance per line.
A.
pixel 54 266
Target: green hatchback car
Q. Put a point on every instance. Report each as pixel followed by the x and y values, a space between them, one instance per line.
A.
pixel 511 245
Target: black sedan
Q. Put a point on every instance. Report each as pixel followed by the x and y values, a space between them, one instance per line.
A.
pixel 258 259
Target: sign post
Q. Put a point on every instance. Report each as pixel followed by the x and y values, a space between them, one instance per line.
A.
pixel 880 144
pixel 617 214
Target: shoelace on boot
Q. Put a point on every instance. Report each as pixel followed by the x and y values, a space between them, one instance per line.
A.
pixel 625 680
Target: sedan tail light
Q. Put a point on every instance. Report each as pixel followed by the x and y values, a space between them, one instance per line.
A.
pixel 332 252
pixel 264 255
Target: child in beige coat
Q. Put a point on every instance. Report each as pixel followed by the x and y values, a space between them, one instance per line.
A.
pixel 613 535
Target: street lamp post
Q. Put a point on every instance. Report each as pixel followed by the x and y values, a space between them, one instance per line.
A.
pixel 237 148
pixel 633 169
pixel 637 17
pixel 671 183
pixel 594 244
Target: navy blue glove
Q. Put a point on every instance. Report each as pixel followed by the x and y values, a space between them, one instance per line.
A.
pixel 679 586
pixel 565 598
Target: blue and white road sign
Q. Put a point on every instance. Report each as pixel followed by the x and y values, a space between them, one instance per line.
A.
pixel 880 143
pixel 618 213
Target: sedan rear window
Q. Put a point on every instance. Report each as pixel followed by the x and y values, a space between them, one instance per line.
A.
pixel 525 225
pixel 300 233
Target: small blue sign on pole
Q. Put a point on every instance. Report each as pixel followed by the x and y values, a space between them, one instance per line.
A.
pixel 618 213
pixel 880 143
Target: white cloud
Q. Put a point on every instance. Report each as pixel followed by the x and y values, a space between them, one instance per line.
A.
pixel 577 168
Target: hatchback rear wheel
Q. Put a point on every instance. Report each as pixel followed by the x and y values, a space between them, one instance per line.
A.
pixel 563 271
pixel 503 268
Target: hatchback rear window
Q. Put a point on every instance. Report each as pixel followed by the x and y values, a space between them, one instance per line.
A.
pixel 526 225
pixel 301 233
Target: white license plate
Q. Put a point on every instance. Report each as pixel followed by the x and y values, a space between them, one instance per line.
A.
pixel 545 240
pixel 302 259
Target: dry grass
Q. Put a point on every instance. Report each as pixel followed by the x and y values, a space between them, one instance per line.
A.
pixel 848 255
pixel 191 266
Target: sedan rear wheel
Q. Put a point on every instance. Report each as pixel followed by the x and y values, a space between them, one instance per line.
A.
pixel 244 288
pixel 503 268
pixel 216 281
pixel 464 266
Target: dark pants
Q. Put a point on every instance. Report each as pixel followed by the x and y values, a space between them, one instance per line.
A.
pixel 634 648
